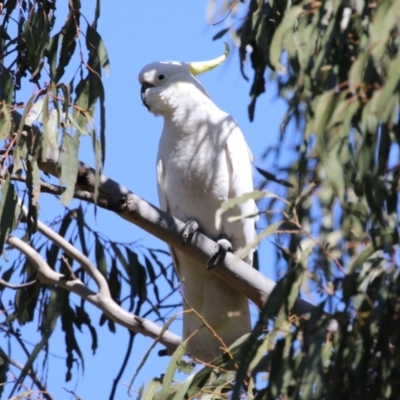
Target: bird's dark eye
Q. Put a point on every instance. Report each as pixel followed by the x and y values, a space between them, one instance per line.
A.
pixel 161 77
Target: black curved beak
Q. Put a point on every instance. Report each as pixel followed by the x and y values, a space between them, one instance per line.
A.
pixel 145 86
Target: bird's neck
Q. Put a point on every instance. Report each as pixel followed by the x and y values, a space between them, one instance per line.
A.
pixel 188 118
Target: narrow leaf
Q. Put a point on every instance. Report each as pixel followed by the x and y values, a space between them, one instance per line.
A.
pixel 172 367
pixel 69 167
pixel 6 85
pixel 5 122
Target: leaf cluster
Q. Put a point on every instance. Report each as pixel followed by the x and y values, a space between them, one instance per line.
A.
pixel 335 223
pixel 33 49
pixel 129 280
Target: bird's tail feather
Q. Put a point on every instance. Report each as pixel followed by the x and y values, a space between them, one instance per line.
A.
pixel 216 313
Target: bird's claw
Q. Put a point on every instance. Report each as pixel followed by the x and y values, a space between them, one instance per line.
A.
pixel 223 247
pixel 191 227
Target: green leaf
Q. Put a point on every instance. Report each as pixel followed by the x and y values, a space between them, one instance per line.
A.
pixel 7 274
pixel 17 165
pixel 53 251
pixel 172 367
pixel 36 35
pixel 50 134
pixel 87 92
pixel 80 219
pixel 220 34
pixel 146 356
pixel 137 276
pixel 33 181
pixel 153 278
pixel 391 86
pixel 68 322
pixel 36 111
pixel 140 393
pixel 52 310
pixel 244 250
pixel 121 257
pixel 66 96
pixel 285 29
pixel 4 367
pixel 100 151
pixel 357 70
pixel 324 105
pixel 22 123
pixel 81 110
pixel 181 393
pixel 151 389
pixel 68 42
pixel 101 261
pixel 51 53
pixel 95 44
pixel 361 258
pixel 383 22
pixel 231 203
pixel 114 282
pixel 6 85
pixel 279 301
pixel 83 318
pixel 96 14
pixel 98 156
pixel 69 166
pixel 185 367
pixel 8 206
pixel 26 299
pixel 5 122
pixel 327 40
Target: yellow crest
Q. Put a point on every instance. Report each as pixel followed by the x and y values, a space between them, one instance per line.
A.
pixel 198 67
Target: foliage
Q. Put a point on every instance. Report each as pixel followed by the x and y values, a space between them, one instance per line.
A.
pixel 334 223
pixel 64 110
pixel 38 53
pixel 336 64
pixel 128 279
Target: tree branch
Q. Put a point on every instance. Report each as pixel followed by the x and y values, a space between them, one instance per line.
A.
pixel 101 300
pixel 31 373
pixel 117 198
pixel 134 209
pixel 73 252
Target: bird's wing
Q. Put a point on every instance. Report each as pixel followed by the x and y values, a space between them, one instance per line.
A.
pixel 163 200
pixel 162 197
pixel 239 159
pixel 224 308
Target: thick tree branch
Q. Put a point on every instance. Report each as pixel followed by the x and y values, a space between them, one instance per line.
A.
pixel 101 300
pixel 131 207
pixel 56 190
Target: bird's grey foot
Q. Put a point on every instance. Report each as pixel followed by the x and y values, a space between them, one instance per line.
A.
pixel 191 227
pixel 223 247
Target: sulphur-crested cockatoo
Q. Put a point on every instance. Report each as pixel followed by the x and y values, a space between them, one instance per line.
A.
pixel 203 160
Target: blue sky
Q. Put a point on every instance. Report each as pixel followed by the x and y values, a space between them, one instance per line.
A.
pixel 135 34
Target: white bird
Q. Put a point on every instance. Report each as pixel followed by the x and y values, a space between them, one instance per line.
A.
pixel 203 160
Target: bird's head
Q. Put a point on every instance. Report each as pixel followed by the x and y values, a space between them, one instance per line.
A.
pixel 164 84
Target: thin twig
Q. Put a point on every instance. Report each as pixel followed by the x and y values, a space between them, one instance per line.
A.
pixel 31 373
pixel 16 286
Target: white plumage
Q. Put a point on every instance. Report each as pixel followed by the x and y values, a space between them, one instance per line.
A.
pixel 202 161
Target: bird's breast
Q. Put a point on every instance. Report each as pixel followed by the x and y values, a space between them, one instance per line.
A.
pixel 196 179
